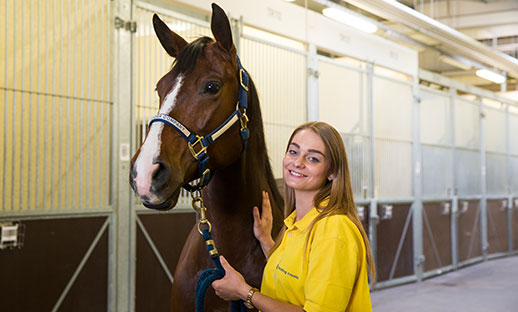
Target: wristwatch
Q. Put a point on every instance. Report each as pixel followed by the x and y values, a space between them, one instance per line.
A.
pixel 248 302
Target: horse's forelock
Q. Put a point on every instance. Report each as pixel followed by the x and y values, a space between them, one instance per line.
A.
pixel 187 57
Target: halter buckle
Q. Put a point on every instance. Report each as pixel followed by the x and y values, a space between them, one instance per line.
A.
pixel 192 145
pixel 244 121
pixel 241 72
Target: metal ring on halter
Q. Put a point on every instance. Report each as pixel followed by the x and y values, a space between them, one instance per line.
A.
pixel 204 221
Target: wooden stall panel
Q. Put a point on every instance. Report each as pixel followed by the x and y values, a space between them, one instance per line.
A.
pixel 437 235
pixel 33 277
pixel 497 226
pixel 168 232
pixel 469 230
pixel 389 233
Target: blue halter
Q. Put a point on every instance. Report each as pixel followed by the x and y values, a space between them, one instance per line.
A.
pixel 198 144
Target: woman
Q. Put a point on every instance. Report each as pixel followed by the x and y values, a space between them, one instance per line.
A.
pixel 319 261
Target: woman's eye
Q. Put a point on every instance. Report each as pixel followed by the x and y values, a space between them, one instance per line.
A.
pixel 313 159
pixel 292 152
pixel 211 87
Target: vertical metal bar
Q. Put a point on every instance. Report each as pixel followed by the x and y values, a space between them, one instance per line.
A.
pixel 60 166
pixel 110 172
pixel 373 207
pixel 29 143
pixel 38 109
pixel 46 110
pixel 67 139
pixel 107 66
pixel 13 121
pixel 22 113
pixel 96 146
pixel 123 204
pixel 483 180
pixel 6 70
pixel 104 96
pixel 417 204
pixel 53 118
pixel 453 181
pixel 89 133
pixel 74 132
pixel 81 110
pixel 509 177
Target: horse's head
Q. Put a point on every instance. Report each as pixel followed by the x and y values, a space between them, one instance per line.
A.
pixel 196 98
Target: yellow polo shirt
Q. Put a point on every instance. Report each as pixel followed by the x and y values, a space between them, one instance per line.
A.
pixel 333 276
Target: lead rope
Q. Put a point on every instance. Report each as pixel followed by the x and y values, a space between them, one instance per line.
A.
pixel 209 275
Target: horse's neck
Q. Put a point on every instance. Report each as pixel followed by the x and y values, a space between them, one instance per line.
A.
pixel 230 198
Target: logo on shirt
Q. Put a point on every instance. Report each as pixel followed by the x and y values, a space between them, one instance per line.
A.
pixel 286 272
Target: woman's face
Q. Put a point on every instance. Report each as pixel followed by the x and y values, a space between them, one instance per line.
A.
pixel 305 165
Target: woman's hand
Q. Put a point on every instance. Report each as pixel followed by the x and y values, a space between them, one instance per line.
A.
pixel 232 286
pixel 263 224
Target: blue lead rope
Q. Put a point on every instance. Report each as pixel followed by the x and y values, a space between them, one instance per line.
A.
pixel 210 275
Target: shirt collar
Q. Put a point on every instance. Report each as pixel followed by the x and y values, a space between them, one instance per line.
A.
pixel 303 223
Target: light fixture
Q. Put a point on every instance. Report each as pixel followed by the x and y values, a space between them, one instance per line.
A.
pixel 350 20
pixel 490 75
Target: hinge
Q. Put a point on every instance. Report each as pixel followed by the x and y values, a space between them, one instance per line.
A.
pixel 130 26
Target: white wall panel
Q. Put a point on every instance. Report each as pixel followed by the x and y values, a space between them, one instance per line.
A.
pixel 435 117
pixel 495 133
pixel 467 124
pixel 392 109
pixel 342 97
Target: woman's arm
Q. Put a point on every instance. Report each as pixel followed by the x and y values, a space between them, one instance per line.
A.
pixel 263 224
pixel 233 287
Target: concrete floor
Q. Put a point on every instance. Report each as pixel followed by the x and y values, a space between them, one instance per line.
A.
pixel 490 286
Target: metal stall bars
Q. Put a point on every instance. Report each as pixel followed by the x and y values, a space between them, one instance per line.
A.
pixel 277 66
pixel 470 178
pixel 437 188
pixel 56 165
pixel 393 98
pixel 497 177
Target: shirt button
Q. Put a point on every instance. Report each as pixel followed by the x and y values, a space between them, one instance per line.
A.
pixel 289 234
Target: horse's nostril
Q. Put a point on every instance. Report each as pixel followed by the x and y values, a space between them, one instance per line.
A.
pixel 133 174
pixel 161 175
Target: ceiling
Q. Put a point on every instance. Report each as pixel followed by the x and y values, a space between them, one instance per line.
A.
pixel 448 48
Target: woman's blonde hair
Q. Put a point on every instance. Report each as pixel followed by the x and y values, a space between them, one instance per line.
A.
pixel 339 190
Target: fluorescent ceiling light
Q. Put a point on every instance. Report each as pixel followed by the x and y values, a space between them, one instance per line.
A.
pixel 350 20
pixel 491 76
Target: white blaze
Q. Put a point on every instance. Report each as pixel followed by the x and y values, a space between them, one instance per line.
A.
pixel 144 165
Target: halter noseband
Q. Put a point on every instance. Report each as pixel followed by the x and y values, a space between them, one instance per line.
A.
pixel 198 144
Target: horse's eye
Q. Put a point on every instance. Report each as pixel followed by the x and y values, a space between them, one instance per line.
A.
pixel 212 87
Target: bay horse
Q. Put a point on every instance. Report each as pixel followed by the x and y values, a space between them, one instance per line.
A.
pixel 197 96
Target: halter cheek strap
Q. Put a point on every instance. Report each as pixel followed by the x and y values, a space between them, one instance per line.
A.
pixel 198 144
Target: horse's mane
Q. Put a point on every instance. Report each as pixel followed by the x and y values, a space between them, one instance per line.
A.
pixel 260 156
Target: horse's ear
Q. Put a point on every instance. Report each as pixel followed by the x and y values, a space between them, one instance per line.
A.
pixel 220 27
pixel 171 41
